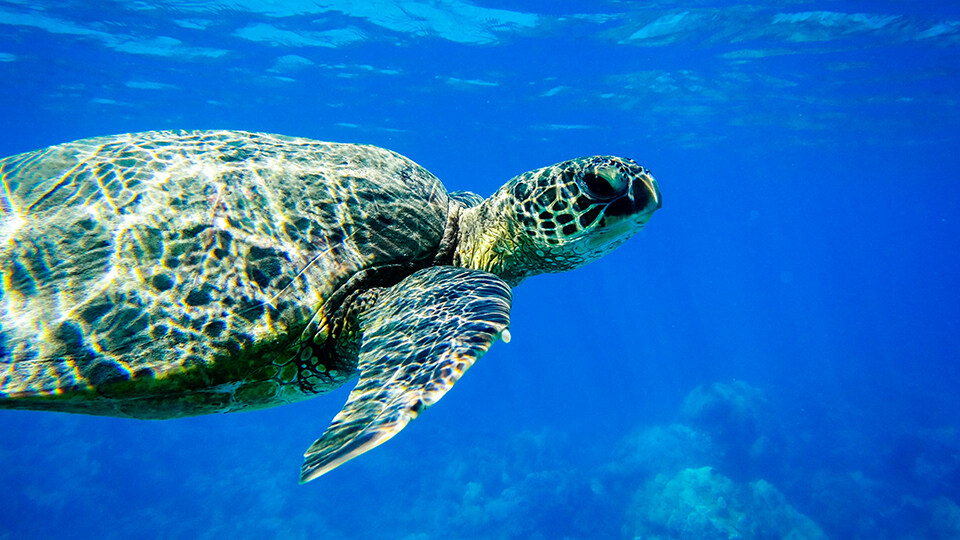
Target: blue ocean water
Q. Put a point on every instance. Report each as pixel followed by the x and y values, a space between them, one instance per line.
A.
pixel 775 355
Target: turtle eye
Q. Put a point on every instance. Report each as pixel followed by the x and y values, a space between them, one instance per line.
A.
pixel 602 187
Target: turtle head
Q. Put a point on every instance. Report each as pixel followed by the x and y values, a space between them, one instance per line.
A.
pixel 558 218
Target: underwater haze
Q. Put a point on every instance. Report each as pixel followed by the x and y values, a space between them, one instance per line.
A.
pixel 775 356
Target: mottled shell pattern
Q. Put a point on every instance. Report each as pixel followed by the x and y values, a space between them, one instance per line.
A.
pixel 139 257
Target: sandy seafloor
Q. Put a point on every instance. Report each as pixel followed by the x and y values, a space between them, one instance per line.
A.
pixel 775 356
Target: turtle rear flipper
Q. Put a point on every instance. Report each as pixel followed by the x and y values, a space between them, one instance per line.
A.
pixel 418 340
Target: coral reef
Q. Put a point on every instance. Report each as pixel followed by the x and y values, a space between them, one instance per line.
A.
pixel 928 461
pixel 665 450
pixel 702 504
pixel 711 475
pixel 735 416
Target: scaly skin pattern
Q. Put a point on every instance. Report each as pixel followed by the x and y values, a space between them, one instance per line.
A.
pixel 557 218
pixel 432 328
pixel 167 274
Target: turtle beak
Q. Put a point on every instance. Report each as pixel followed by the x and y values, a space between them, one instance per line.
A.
pixel 645 194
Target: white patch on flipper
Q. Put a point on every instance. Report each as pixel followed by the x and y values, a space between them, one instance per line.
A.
pixel 9 227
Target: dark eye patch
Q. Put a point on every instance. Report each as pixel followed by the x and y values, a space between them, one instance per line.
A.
pixel 599 186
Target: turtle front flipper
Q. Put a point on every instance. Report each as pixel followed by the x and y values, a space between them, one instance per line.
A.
pixel 419 338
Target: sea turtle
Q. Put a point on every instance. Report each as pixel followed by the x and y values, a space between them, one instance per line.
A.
pixel 176 273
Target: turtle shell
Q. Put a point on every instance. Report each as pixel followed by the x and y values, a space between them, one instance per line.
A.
pixel 139 257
